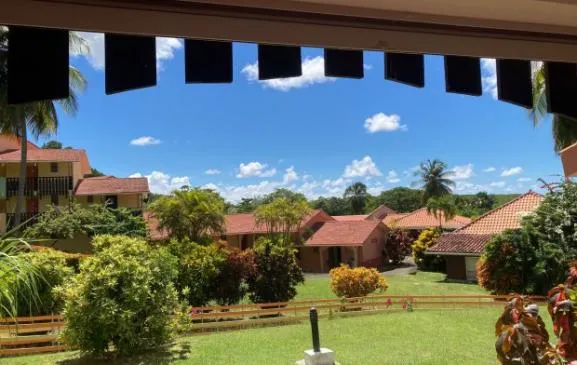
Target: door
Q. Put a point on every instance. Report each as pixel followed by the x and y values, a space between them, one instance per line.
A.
pixel 471 267
pixel 111 201
pixel 335 257
pixel 32 206
pixel 32 177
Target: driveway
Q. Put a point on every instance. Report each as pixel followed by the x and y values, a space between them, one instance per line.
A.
pixel 406 267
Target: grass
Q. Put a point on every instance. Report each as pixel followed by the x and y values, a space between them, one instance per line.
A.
pixel 396 338
pixel 422 283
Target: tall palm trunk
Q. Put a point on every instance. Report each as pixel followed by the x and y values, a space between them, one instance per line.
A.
pixel 22 176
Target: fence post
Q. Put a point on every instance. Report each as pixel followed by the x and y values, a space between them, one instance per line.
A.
pixel 315 330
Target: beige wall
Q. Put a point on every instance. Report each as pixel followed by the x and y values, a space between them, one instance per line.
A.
pixel 373 246
pixel 132 201
pixel 310 259
pixel 64 169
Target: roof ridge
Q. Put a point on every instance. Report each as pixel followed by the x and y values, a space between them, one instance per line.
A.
pixel 530 192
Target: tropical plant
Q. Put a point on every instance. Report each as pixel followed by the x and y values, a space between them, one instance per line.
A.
pixel 276 273
pixel 427 238
pixel 356 282
pixel 19 278
pixel 434 179
pixel 400 199
pixel 283 217
pixel 230 285
pixel 55 271
pixel 398 245
pixel 564 128
pixel 91 220
pixel 357 195
pixel 332 206
pixel 123 298
pixel 41 117
pixel 442 208
pixel 195 214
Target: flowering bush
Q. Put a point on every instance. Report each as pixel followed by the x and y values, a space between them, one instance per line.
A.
pixel 357 282
pixel 398 246
pixel 427 238
pixel 123 298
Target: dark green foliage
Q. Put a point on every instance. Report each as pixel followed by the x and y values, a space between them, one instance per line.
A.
pixel 357 196
pixel 93 220
pixel 123 298
pixel 276 273
pixel 230 285
pixel 434 179
pixel 55 271
pixel 402 200
pixel 55 145
pixel 398 245
pixel 332 205
pixel 95 172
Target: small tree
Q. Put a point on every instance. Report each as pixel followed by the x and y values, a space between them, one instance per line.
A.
pixel 282 217
pixel 122 299
pixel 442 207
pixel 427 238
pixel 357 282
pixel 193 213
pixel 276 273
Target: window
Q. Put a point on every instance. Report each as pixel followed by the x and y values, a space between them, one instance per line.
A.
pixel 53 167
pixel 54 199
pixel 315 249
pixel 90 199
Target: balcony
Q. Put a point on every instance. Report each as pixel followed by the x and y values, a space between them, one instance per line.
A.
pixel 26 220
pixel 42 186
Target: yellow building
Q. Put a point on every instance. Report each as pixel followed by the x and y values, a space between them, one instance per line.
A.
pixel 59 177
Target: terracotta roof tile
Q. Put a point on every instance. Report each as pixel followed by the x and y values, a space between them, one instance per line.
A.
pixel 381 212
pixel 11 143
pixel 51 155
pixel 343 233
pixel 112 185
pixel 349 218
pixel 421 219
pixel 245 223
pixel 392 218
pixel 473 237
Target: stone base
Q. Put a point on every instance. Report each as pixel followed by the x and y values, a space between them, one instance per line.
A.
pixel 325 357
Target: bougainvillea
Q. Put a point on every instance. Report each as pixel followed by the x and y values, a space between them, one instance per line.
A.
pixel 398 245
pixel 357 282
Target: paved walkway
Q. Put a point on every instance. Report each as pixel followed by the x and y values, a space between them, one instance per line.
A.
pixel 405 268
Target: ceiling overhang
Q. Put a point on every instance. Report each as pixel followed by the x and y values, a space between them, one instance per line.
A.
pixel 569 160
pixel 513 29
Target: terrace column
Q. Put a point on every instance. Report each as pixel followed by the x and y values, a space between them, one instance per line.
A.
pixel 356 251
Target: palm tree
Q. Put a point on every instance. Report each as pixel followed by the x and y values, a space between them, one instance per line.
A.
pixel 357 195
pixel 564 128
pixel 442 207
pixel 434 179
pixel 40 118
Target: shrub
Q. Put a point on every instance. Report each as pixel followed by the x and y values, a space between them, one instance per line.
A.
pixel 122 299
pixel 230 284
pixel 398 245
pixel 276 273
pixel 358 282
pixel 427 238
pixel 54 270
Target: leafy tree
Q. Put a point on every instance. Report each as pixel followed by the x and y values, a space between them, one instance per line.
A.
pixel 283 217
pixel 332 205
pixel 276 273
pixel 246 205
pixel 123 298
pixel 484 201
pixel 357 196
pixel 94 172
pixel 282 193
pixel 434 179
pixel 427 238
pixel 195 214
pixel 442 207
pixel 564 128
pixel 400 199
pixel 40 118
pixel 52 145
pixel 91 221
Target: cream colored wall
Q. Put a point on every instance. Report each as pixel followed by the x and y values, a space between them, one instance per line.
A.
pixel 130 201
pixel 310 259
pixel 64 169
pixel 373 250
pixel 76 172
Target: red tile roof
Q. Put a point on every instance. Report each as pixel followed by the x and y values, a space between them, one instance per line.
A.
pixel 245 223
pixel 350 218
pixel 50 155
pixel 381 212
pixel 343 233
pixel 421 219
pixel 392 218
pixel 112 185
pixel 11 143
pixel 473 237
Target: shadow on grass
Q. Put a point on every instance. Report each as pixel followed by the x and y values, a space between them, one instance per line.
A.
pixel 456 281
pixel 160 356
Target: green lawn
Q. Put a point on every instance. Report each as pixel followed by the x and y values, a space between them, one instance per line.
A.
pixel 395 338
pixel 317 286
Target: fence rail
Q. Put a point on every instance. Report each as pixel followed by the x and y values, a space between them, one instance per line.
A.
pixel 26 335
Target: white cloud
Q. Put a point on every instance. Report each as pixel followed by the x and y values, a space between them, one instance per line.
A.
pixel 363 168
pixel 462 172
pixel 145 141
pixel 469 187
pixel 498 184
pixel 411 171
pixel 381 122
pixel 512 171
pixel 165 49
pixel 490 169
pixel 489 67
pixel 162 183
pixel 212 172
pixel 254 169
pixel 290 175
pixel 392 177
pixel 313 73
pixel 524 179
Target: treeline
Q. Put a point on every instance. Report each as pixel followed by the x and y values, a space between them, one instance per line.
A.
pixel 400 199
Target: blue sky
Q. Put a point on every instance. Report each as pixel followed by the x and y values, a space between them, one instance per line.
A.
pixel 312 134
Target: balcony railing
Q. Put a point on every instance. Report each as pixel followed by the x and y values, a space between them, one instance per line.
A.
pixel 43 186
pixel 26 220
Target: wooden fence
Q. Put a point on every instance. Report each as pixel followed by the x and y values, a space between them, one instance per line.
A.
pixel 27 335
